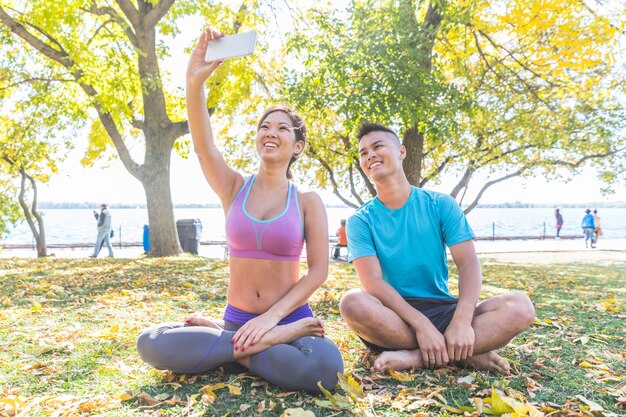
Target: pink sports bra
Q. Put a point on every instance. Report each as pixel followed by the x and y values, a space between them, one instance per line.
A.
pixel 280 238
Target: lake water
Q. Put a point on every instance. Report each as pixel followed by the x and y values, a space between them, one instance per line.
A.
pixel 79 226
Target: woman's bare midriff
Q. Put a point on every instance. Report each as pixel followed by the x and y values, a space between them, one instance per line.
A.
pixel 257 284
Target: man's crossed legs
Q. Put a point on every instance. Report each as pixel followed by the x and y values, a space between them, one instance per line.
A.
pixel 496 322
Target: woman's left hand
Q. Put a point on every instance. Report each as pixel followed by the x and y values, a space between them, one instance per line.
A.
pixel 250 333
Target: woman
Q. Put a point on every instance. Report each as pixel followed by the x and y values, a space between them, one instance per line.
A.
pixel 596 223
pixel 268 326
pixel 559 222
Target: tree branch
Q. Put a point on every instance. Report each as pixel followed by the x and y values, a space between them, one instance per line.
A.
pixel 63 59
pixel 131 13
pixel 352 186
pixel 59 56
pixel 331 176
pixel 489 184
pixel 22 201
pixel 154 16
pixel 30 80
pixel 112 13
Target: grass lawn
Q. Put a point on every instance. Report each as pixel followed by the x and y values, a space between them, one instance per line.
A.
pixel 68 330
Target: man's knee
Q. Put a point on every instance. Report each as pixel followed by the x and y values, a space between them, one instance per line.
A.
pixel 353 304
pixel 521 309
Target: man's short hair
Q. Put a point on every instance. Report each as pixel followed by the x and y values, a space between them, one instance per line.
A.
pixel 367 128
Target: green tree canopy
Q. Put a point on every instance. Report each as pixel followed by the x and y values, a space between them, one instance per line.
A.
pixel 474 88
pixel 107 56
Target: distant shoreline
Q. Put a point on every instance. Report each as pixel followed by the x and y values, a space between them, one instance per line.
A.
pixel 90 205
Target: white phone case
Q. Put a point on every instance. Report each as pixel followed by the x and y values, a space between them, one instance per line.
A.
pixel 233 46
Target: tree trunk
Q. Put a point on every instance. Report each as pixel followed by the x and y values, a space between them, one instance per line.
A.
pixel 156 184
pixel 413 141
pixel 39 235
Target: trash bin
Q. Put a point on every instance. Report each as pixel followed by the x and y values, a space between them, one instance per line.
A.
pixel 146 238
pixel 189 231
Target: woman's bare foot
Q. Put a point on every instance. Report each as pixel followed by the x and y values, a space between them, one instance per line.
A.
pixel 202 321
pixel 287 333
pixel 398 360
pixel 489 361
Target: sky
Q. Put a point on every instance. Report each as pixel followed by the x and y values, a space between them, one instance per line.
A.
pixel 111 183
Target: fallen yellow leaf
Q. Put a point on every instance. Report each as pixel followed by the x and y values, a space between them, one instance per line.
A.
pixel 297 412
pixel 402 376
pixel 234 389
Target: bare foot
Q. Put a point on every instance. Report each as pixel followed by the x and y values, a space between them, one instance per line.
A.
pixel 398 360
pixel 287 333
pixel 202 321
pixel 489 361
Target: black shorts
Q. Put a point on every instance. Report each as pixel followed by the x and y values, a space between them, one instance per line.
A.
pixel 438 310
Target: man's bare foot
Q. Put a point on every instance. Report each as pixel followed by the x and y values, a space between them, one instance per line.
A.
pixel 398 360
pixel 202 321
pixel 489 361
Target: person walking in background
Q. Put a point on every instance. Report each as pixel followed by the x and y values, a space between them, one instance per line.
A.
pixel 598 227
pixel 559 222
pixel 342 239
pixel 589 227
pixel 104 230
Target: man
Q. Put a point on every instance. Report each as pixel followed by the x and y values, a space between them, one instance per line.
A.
pixel 397 243
pixel 104 231
pixel 589 227
pixel 342 239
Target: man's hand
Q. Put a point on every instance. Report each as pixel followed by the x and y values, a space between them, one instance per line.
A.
pixel 432 345
pixel 460 340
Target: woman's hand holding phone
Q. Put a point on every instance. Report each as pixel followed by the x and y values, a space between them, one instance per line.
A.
pixel 198 70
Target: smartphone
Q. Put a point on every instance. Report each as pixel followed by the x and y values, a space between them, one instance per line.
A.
pixel 233 46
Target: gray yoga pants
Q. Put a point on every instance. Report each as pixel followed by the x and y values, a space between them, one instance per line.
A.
pixel 195 349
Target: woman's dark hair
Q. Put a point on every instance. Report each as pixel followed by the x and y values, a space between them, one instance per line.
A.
pixel 299 128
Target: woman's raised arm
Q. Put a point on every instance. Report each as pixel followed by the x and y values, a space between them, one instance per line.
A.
pixel 223 179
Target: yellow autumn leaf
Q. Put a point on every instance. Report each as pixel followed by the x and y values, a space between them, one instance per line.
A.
pixel 593 406
pixel 36 307
pixel 147 399
pixel 173 401
pixel 402 376
pixel 125 397
pixel 498 406
pixel 208 396
pixel 234 389
pixel 585 364
pixel 214 387
pixel 12 404
pixel 350 386
pixel 297 412
pixel 187 284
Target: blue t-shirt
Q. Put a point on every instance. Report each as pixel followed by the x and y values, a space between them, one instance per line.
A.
pixel 410 242
pixel 588 221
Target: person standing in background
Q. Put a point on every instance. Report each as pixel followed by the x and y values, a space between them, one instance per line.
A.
pixel 596 222
pixel 559 222
pixel 104 230
pixel 342 239
pixel 589 227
